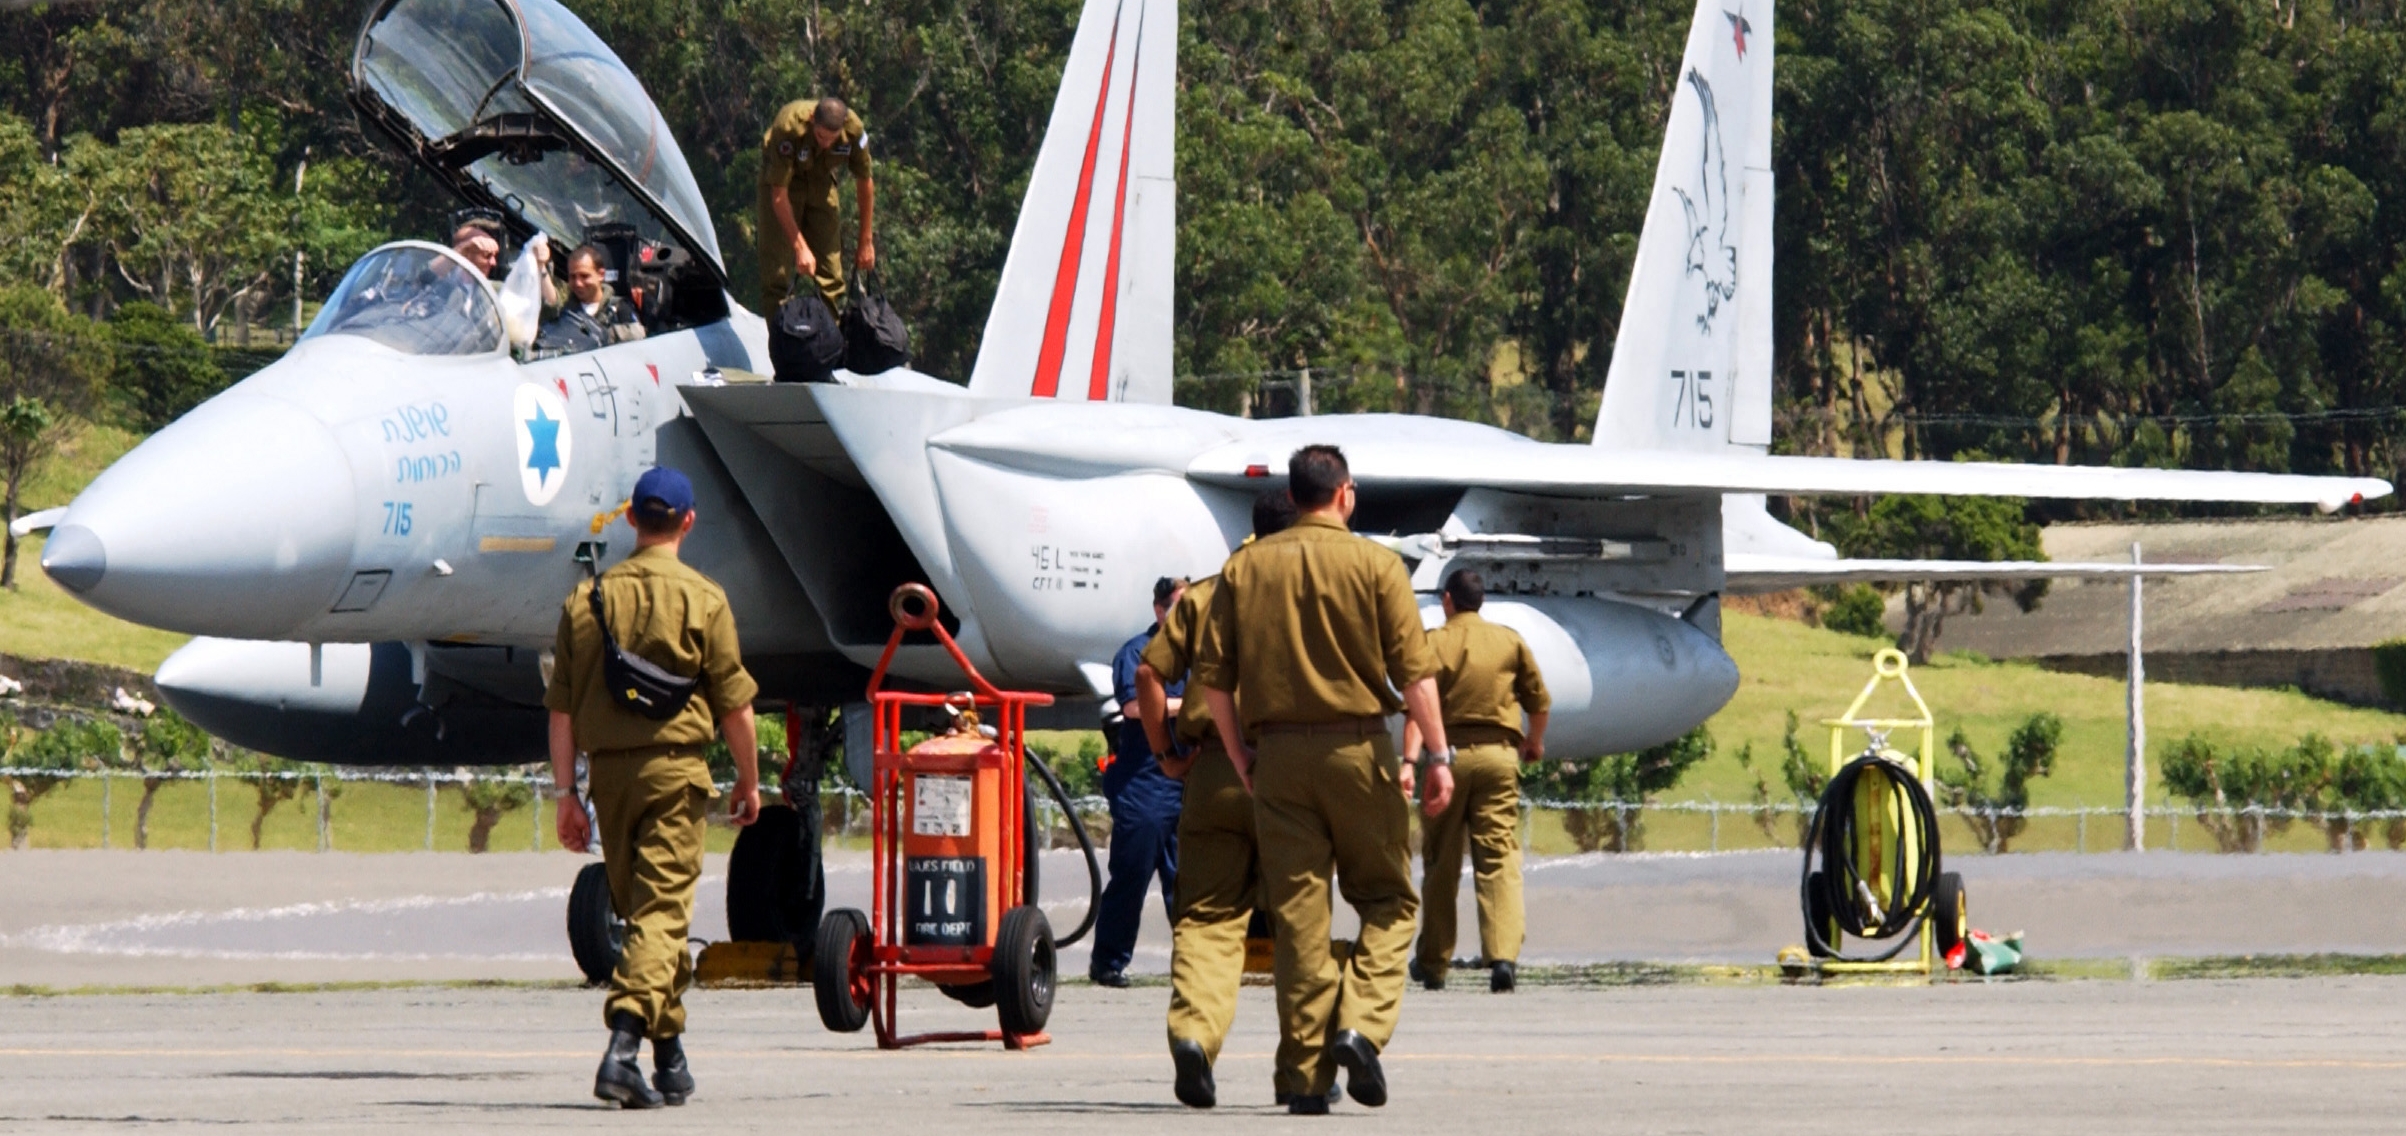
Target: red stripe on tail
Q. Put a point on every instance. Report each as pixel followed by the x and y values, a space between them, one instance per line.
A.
pixel 1098 386
pixel 1065 278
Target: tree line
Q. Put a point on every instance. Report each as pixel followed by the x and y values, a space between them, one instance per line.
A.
pixel 2147 232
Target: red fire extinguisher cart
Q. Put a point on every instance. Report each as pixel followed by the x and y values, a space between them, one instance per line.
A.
pixel 948 824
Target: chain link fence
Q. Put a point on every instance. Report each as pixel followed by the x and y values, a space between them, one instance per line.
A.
pixel 358 810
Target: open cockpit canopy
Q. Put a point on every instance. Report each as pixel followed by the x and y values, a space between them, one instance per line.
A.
pixel 516 104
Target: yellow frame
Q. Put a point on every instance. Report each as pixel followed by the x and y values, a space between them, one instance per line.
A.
pixel 1890 663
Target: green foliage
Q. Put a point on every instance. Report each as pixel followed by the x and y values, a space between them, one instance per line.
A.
pixel 270 781
pixel 1622 783
pixel 1080 770
pixel 2217 781
pixel 1858 609
pixel 51 367
pixel 489 795
pixel 1913 527
pixel 2389 666
pixel 1981 798
pixel 164 368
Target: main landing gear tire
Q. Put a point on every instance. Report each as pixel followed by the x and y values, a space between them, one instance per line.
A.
pixel 776 885
pixel 843 986
pixel 595 932
pixel 1025 970
pixel 1950 913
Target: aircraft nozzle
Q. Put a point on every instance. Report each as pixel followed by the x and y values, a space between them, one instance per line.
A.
pixel 235 520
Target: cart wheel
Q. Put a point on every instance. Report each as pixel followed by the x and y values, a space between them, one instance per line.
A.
pixel 1950 911
pixel 844 987
pixel 595 932
pixel 1024 970
pixel 1818 918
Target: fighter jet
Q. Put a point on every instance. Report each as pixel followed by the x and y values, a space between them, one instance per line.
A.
pixel 374 534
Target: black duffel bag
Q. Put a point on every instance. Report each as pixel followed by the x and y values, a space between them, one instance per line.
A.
pixel 875 338
pixel 805 342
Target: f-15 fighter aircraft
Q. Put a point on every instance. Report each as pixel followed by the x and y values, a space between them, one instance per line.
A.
pixel 375 533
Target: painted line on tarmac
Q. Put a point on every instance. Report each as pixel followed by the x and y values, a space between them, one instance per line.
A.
pixel 985 1054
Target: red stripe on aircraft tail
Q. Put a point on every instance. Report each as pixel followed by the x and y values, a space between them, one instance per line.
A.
pixel 1098 386
pixel 1065 278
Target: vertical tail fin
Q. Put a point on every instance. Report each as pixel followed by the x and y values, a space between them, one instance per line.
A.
pixel 1691 369
pixel 1083 308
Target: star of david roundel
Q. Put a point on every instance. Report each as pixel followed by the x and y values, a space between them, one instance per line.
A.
pixel 543 442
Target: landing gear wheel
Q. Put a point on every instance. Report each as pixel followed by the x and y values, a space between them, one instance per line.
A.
pixel 595 932
pixel 1025 970
pixel 843 985
pixel 1950 913
pixel 776 885
pixel 1821 925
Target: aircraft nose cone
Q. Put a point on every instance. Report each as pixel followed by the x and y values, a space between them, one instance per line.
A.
pixel 237 520
pixel 75 558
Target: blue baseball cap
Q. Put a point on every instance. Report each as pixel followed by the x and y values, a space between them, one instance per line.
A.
pixel 662 494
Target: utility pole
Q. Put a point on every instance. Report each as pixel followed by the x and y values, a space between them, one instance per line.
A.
pixel 2135 779
pixel 299 257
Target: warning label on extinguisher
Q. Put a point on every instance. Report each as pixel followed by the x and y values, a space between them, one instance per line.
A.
pixel 944 901
pixel 939 806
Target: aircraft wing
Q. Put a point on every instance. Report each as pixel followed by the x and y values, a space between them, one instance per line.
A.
pixel 1591 471
pixel 1755 573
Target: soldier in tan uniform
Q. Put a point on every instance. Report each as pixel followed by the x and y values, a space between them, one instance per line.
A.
pixel 1486 679
pixel 649 781
pixel 1311 632
pixel 808 148
pixel 1219 872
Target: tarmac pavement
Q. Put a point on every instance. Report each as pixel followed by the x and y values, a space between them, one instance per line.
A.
pixel 72 919
pixel 2119 1058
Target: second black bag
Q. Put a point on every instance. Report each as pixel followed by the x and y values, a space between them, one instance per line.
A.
pixel 875 338
pixel 805 342
pixel 636 683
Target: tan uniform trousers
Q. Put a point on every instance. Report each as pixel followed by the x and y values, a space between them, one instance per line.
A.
pixel 1219 885
pixel 820 230
pixel 1485 814
pixel 651 812
pixel 1317 799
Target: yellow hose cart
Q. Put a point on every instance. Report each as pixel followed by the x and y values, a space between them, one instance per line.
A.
pixel 1872 870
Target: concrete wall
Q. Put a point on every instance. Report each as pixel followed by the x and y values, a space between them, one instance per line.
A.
pixel 2342 674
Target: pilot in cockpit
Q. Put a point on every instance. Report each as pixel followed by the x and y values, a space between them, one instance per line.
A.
pixel 593 316
pixel 478 240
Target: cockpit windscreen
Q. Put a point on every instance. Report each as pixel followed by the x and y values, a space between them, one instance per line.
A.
pixel 415 298
pixel 517 94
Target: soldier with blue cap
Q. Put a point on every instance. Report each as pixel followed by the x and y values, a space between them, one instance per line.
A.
pixel 646 672
pixel 1145 803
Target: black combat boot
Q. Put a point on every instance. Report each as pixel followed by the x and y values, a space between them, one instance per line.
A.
pixel 621 1075
pixel 669 1074
pixel 1430 979
pixel 1501 979
pixel 1365 1082
pixel 1195 1088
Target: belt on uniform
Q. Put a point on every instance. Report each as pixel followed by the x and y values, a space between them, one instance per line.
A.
pixel 669 749
pixel 1480 733
pixel 1342 727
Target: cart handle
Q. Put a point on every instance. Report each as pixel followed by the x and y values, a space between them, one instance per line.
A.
pixel 909 596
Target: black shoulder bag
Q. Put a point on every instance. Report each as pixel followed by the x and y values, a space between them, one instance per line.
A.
pixel 636 684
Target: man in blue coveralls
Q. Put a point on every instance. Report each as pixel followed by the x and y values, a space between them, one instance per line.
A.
pixel 1144 811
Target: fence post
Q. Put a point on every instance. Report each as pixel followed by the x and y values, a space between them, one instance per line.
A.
pixel 2175 832
pixel 2082 842
pixel 211 763
pixel 427 775
pixel 537 808
pixel 1716 842
pixel 104 808
pixel 325 840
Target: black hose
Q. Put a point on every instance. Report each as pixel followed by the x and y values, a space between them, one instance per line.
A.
pixel 1094 868
pixel 1846 898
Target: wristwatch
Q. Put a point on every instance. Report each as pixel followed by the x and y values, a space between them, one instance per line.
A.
pixel 1435 757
